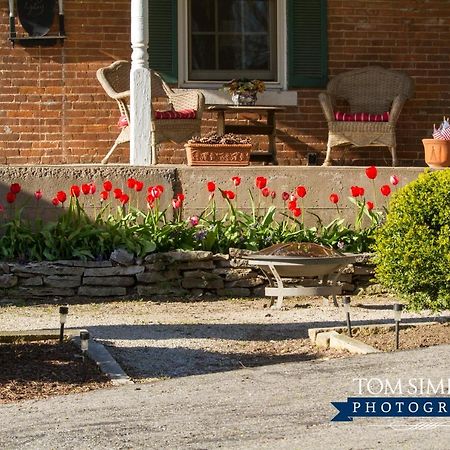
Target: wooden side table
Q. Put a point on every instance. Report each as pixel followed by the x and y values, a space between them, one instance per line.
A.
pixel 268 128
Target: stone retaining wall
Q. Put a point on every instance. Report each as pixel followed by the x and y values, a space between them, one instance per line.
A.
pixel 175 274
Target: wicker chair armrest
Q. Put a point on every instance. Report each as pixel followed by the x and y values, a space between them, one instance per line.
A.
pixel 188 99
pixel 396 108
pixel 326 102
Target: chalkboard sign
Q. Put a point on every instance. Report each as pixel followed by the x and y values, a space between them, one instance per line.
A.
pixel 36 16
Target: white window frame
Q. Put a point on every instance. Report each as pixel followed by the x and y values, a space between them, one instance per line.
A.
pixel 183 51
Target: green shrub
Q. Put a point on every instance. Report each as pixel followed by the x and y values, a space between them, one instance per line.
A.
pixel 413 245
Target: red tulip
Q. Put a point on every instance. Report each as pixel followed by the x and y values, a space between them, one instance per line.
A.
pixel 385 190
pixel 334 198
pixel 55 201
pixel 261 182
pixel 124 199
pixel 38 194
pixel 211 186
pixel 150 198
pixel 131 183
pixel 370 206
pixel 75 191
pixel 371 172
pixel 61 196
pixel 155 191
pixel 265 191
pixel 236 180
pixel 86 188
pixel 230 195
pixel 301 191
pixel 273 194
pixel 355 191
pixel 10 197
pixel 292 205
pixel 394 180
pixel 117 193
pixel 176 203
pixel 107 186
pixel 92 188
pixel 181 197
pixel 285 196
pixel 104 195
pixel 138 186
pixel 15 188
pixel 297 212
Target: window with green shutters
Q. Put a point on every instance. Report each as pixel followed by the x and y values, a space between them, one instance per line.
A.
pixel 306 41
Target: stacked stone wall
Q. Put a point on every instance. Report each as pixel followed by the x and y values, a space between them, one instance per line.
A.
pixel 174 275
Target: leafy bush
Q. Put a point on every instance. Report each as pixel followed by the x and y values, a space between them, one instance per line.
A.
pixel 413 245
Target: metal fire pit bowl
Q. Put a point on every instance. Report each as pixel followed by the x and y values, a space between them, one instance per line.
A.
pixel 300 260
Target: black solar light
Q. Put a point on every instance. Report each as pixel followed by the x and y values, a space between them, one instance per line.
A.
pixel 346 304
pixel 63 311
pixel 398 307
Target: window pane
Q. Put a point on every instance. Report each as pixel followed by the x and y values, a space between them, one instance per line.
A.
pixel 230 15
pixel 202 15
pixel 256 51
pixel 255 15
pixel 230 53
pixel 232 38
pixel 203 52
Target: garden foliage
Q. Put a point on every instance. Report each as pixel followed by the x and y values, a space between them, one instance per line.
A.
pixel 413 246
pixel 120 223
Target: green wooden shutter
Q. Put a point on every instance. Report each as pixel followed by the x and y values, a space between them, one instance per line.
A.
pixel 162 49
pixel 307 43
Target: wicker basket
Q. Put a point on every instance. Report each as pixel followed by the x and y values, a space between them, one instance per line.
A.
pixel 218 154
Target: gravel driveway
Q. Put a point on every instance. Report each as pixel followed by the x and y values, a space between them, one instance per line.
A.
pixel 154 340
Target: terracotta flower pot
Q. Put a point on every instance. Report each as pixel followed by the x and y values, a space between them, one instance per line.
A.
pixel 437 152
pixel 218 154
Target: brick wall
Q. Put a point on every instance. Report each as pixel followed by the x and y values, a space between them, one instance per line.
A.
pixel 52 109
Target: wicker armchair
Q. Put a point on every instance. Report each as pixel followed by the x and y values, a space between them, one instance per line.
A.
pixel 115 80
pixel 371 90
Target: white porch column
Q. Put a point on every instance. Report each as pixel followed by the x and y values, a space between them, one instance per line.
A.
pixel 140 87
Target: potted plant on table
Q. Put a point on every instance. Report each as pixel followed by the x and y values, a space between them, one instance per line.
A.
pixel 437 150
pixel 215 150
pixel 244 91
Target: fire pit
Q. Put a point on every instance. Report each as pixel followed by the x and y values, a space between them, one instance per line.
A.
pixel 300 261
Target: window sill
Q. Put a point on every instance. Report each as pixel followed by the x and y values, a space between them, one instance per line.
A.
pixel 269 98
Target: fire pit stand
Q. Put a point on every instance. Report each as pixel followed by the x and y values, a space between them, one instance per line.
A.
pixel 279 268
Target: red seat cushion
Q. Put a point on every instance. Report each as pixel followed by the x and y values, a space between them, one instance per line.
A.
pixel 181 114
pixel 361 117
pixel 171 114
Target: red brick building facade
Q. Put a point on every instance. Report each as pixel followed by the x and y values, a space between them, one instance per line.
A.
pixel 53 110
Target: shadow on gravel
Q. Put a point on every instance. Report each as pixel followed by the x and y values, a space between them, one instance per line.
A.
pixel 232 331
pixel 168 362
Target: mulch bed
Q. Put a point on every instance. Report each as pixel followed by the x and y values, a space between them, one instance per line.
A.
pixel 410 338
pixel 38 369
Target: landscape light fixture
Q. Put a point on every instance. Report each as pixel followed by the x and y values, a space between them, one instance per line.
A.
pixel 398 307
pixel 63 311
pixel 84 343
pixel 346 304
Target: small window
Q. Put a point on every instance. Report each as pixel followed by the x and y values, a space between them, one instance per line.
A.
pixel 232 38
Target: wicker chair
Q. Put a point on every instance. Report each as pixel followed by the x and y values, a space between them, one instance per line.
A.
pixel 372 90
pixel 115 80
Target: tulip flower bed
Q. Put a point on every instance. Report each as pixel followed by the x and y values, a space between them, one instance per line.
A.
pixel 119 222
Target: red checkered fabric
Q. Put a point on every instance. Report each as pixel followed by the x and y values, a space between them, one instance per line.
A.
pixel 361 117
